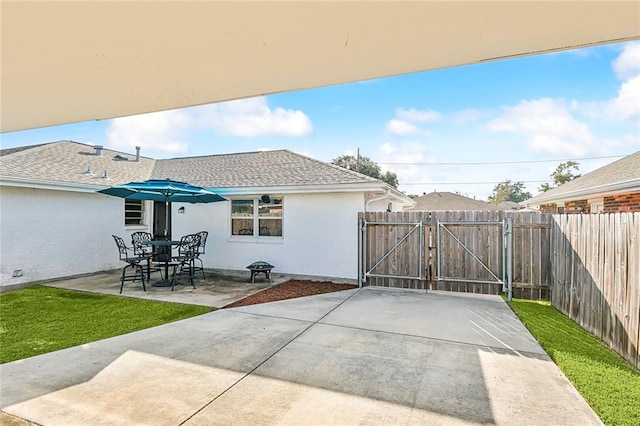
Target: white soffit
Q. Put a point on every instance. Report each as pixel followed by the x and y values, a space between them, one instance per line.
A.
pixel 66 62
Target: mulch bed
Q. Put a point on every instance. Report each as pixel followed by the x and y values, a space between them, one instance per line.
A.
pixel 290 290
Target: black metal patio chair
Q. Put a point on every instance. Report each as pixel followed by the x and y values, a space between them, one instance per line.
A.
pixel 132 260
pixel 141 247
pixel 201 250
pixel 185 260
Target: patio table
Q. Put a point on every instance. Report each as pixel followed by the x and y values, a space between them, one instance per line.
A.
pixel 166 282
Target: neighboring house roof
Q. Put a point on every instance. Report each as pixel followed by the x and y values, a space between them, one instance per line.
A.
pixel 66 163
pixel 510 205
pixel 618 177
pixel 449 201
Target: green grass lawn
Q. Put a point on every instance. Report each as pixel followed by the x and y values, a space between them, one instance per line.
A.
pixel 609 384
pixel 41 319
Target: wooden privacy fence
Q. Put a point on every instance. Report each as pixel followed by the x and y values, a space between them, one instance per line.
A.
pixel 456 250
pixel 596 276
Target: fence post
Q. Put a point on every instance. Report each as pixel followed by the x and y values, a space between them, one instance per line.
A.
pixel 360 251
pixel 438 249
pixel 509 232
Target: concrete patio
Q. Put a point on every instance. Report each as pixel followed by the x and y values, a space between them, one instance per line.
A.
pixel 218 289
pixel 369 356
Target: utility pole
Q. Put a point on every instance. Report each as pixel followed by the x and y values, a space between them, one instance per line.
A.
pixel 358 160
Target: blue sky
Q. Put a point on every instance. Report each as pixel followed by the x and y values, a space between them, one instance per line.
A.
pixel 509 114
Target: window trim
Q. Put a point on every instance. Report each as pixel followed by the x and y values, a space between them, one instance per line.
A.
pixel 256 218
pixel 142 211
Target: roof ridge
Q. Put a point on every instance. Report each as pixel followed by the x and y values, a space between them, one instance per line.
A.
pixel 342 169
pixel 222 154
pixel 17 149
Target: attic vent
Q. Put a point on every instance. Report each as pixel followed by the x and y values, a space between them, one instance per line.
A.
pixel 120 158
pixel 98 149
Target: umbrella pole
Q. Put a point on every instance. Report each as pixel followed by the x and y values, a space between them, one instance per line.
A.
pixel 166 217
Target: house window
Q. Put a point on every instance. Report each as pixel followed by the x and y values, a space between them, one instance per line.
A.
pixel 596 205
pixel 257 217
pixel 133 212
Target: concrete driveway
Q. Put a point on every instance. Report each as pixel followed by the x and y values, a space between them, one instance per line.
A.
pixel 369 356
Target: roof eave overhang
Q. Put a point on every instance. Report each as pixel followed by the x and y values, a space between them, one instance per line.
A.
pixel 587 193
pixel 49 184
pixel 59 57
pixel 376 187
pixel 373 187
pixel 394 194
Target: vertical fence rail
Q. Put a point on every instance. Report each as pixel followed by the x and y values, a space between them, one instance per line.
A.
pixel 596 276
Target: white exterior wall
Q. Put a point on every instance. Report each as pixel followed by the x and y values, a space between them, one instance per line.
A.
pixel 49 234
pixel 320 235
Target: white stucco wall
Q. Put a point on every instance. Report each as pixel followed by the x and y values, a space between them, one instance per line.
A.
pixel 319 235
pixel 49 234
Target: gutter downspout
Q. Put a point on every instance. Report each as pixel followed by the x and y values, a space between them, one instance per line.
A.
pixel 380 198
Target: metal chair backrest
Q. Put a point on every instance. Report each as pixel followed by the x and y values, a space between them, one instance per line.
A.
pixel 203 241
pixel 123 251
pixel 189 245
pixel 140 241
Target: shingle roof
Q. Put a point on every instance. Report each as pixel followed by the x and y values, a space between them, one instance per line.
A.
pixel 255 169
pixel 8 151
pixel 67 161
pixel 624 170
pixel 449 201
pixel 510 205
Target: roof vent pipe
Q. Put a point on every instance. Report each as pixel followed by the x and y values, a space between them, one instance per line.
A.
pixel 137 154
pixel 98 149
pixel 105 175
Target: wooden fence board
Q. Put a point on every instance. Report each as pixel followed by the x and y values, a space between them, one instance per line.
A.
pixel 633 292
pixel 596 276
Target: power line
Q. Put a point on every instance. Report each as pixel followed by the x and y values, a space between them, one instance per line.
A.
pixel 471 183
pixel 486 163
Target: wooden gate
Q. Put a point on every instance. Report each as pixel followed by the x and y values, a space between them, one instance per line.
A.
pixel 464 264
pixel 476 252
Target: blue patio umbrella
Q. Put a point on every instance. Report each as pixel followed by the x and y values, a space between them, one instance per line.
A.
pixel 167 190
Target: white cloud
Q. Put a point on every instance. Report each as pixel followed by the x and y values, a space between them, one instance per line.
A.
pixel 626 104
pixel 412 152
pixel 409 122
pixel 467 115
pixel 153 132
pixel 627 65
pixel 167 132
pixel 401 128
pixel 253 117
pixel 420 171
pixel 548 126
pixel 405 122
pixel 418 116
